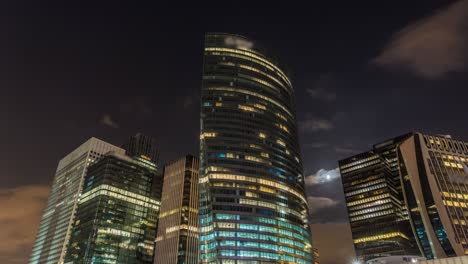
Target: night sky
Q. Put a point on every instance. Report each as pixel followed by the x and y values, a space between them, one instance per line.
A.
pixel 362 73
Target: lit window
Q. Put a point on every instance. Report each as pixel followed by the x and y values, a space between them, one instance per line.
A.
pixel 247 108
pixel 207 135
pixel 260 106
pixel 283 127
pixel 281 142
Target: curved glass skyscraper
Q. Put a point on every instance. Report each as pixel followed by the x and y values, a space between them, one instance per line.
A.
pixel 252 199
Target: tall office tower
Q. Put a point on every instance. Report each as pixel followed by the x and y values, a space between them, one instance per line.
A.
pixel 252 200
pixel 55 228
pixel 117 216
pixel 434 172
pixel 177 236
pixel 142 145
pixel 377 214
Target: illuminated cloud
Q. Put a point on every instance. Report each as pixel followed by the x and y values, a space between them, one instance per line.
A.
pixel 22 208
pixel 322 176
pixel 431 47
pixel 107 120
pixel 325 197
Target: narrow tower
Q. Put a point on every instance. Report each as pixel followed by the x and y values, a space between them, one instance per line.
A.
pixel 177 238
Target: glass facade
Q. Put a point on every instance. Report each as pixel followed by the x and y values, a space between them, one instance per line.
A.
pixel 116 219
pixel 177 237
pixel 377 213
pixel 409 195
pixel 55 228
pixel 142 146
pixel 434 172
pixel 252 199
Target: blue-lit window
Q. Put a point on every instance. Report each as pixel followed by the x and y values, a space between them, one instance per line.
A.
pixel 275 171
pixel 227 217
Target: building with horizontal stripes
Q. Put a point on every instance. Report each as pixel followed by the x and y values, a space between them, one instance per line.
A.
pixel 409 196
pixel 50 245
pixel 252 199
pixel 378 217
pixel 116 219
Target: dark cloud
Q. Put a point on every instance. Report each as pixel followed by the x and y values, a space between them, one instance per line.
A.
pixel 431 47
pixel 315 145
pixel 313 124
pixel 107 120
pixel 344 150
pixel 323 89
pixel 22 208
pixel 318 203
pixel 137 106
pixel 325 147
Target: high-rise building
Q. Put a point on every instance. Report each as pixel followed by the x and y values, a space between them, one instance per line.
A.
pixel 177 236
pixel 56 224
pixel 434 172
pixel 451 260
pixel 252 199
pixel 377 214
pixel 116 219
pixel 142 146
pixel 430 195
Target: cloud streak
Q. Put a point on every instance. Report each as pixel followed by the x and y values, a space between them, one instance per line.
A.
pixel 315 125
pixel 318 203
pixel 22 208
pixel 323 89
pixel 107 120
pixel 431 47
